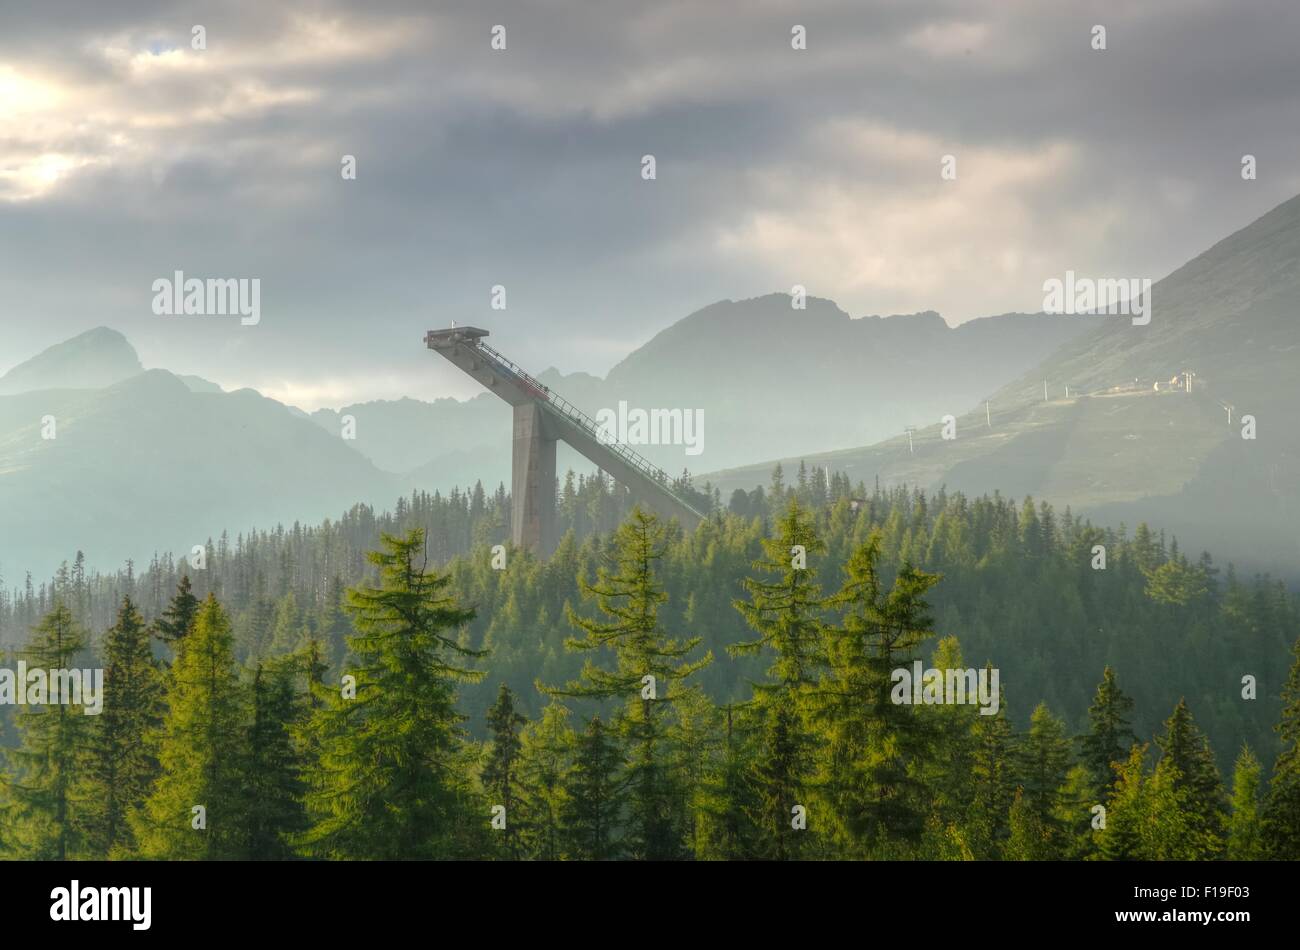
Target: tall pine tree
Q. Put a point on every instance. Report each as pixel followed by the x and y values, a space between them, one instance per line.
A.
pixel 200 751
pixel 648 665
pixel 54 737
pixel 1245 833
pixel 869 792
pixel 591 814
pixel 1187 764
pixel 273 763
pixel 1109 738
pixel 500 771
pixel 121 765
pixel 178 619
pixel 546 763
pixel 992 776
pixel 386 783
pixel 1282 811
pixel 1042 760
pixel 785 609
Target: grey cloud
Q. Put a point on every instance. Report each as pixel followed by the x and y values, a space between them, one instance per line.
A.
pixel 522 168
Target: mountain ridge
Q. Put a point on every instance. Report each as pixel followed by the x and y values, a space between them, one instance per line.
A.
pixel 91 360
pixel 1126 444
pixel 812 384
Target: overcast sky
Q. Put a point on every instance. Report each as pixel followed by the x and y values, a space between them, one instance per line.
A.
pixel 125 154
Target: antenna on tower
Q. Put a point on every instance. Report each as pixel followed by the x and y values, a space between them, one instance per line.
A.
pixel 910 430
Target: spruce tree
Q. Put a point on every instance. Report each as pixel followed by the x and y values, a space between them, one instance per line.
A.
pixel 288 632
pixel 868 741
pixel 1042 761
pixel 1245 832
pixel 500 779
pixel 590 817
pixel 53 739
pixel 993 782
pixel 1073 817
pixel 546 756
pixel 1109 739
pixel 648 666
pixel 273 763
pixel 178 619
pixel 314 667
pixel 785 609
pixel 200 751
pixel 727 801
pixel 385 784
pixel 1175 828
pixel 696 738
pixel 948 758
pixel 1188 763
pixel 1028 837
pixel 8 807
pixel 310 664
pixel 1151 817
pixel 120 765
pixel 1282 809
pixel 776 776
pixel 1126 810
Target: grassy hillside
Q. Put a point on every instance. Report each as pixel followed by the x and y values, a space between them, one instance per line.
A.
pixel 1116 448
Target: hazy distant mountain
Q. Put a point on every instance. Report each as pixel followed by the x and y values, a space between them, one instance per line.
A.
pixel 768 379
pixel 149 464
pixel 403 435
pixel 1170 457
pixel 200 385
pixel 91 360
pixel 158 460
pixel 766 374
pixel 148 459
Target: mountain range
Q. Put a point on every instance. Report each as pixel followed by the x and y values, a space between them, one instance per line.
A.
pixel 762 373
pixel 143 460
pixel 1128 443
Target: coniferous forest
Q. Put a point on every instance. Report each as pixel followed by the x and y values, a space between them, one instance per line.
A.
pixel 404 685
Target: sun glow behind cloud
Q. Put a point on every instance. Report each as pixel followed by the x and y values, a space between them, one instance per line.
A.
pixel 138 96
pixel 905 241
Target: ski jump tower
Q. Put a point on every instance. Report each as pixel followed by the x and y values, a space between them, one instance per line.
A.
pixel 542 418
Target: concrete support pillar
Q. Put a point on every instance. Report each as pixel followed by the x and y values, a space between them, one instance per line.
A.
pixel 533 482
